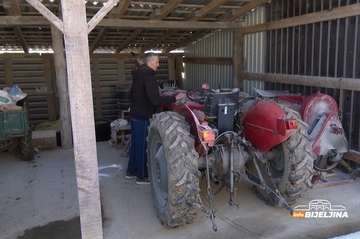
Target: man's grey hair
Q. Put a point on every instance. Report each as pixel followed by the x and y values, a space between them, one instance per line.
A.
pixel 149 56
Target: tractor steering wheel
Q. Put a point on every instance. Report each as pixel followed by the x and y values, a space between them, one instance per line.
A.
pixel 198 95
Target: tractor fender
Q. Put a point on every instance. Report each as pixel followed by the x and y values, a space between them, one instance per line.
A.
pixel 261 124
pixel 195 126
pixel 315 105
pixel 328 134
pixel 321 112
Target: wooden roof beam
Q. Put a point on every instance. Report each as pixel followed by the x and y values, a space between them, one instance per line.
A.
pixel 171 5
pixel 100 14
pixel 21 38
pixel 164 11
pixel 189 4
pixel 128 40
pixel 198 15
pixel 156 15
pixel 150 24
pixel 116 13
pixel 12 9
pixel 98 38
pixel 326 15
pixel 160 14
pixel 160 39
pixel 122 6
pixel 47 14
pixel 189 40
pixel 122 23
pixel 243 10
pixel 212 6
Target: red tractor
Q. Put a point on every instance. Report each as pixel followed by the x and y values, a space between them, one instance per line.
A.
pixel 270 141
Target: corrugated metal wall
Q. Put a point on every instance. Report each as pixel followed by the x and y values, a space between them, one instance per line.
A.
pixel 329 49
pixel 219 44
pixel 28 74
pixel 254 50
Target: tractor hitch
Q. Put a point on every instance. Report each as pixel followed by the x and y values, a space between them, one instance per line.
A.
pixel 276 199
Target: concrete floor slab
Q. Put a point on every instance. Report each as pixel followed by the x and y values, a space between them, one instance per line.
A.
pixel 34 194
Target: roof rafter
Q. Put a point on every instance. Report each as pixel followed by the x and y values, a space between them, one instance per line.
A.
pixel 165 10
pixel 213 5
pixel 157 16
pixel 243 10
pixel 100 14
pixel 125 24
pixel 12 9
pixel 163 37
pixel 143 24
pixel 128 40
pixel 121 8
pixel 116 13
pixel 189 40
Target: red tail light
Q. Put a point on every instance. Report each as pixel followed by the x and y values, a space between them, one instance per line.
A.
pixel 207 136
pixel 284 125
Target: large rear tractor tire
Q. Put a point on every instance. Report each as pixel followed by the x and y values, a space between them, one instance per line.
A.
pixel 26 147
pixel 291 164
pixel 173 169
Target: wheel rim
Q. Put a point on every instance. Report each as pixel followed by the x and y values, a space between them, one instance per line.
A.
pixel 159 173
pixel 321 164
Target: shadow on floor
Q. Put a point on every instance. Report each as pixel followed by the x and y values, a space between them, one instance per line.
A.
pixel 55 230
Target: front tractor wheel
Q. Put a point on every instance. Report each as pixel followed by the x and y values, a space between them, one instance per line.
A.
pixel 173 171
pixel 290 164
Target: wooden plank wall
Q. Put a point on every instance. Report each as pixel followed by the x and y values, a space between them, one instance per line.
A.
pixel 35 75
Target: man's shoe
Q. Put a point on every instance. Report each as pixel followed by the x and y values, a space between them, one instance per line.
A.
pixel 142 181
pixel 130 176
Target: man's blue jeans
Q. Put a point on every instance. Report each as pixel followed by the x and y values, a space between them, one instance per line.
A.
pixel 138 159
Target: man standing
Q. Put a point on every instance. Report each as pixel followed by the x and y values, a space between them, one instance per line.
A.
pixel 145 97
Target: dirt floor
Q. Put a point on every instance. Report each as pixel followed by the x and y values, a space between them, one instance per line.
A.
pixel 39 200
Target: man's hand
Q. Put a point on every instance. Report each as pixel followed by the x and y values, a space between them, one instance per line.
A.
pixel 180 95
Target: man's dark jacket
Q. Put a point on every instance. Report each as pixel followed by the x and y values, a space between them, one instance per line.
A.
pixel 144 94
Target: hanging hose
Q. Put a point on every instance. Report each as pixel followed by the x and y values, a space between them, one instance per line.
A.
pixel 210 195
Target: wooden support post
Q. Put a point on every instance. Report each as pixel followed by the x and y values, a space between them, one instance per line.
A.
pixel 121 70
pixel 62 88
pixel 8 72
pixel 75 29
pixel 178 71
pixel 238 58
pixel 171 67
pixel 97 92
pixel 82 117
pixel 50 98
